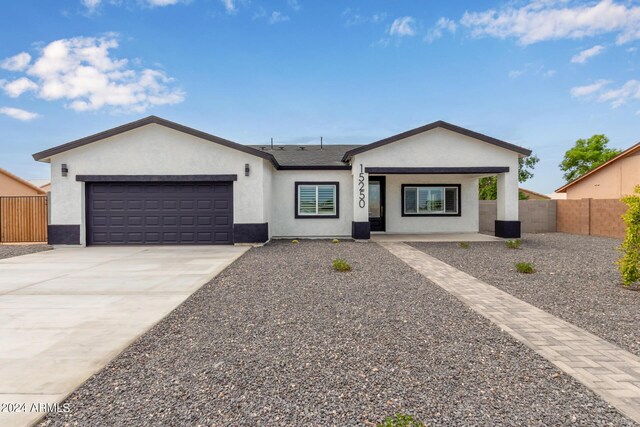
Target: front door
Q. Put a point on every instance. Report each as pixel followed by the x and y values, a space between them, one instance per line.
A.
pixel 376 203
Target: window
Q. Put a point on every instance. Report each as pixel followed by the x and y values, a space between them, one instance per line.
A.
pixel 316 200
pixel 430 200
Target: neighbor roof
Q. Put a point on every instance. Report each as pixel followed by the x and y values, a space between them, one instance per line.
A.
pixel 22 181
pixel 43 155
pixel 328 156
pixel 626 153
pixel 434 125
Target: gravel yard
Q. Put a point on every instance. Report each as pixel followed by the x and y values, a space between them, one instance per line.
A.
pixel 8 251
pixel 576 279
pixel 279 338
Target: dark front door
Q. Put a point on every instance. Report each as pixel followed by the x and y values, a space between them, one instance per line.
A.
pixel 376 203
pixel 159 213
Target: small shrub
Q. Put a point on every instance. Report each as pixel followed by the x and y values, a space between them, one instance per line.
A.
pixel 513 244
pixel 294 241
pixel 341 265
pixel 335 241
pixel 629 264
pixel 464 245
pixel 401 420
pixel 525 267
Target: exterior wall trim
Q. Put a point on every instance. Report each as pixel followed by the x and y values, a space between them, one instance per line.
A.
pixel 436 170
pixel 155 178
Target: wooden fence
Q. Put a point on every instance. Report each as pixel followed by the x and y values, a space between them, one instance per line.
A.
pixel 23 219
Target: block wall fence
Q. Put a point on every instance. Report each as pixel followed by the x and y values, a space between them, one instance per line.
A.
pixel 596 217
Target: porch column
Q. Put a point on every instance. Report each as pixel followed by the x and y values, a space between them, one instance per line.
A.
pixel 360 227
pixel 507 223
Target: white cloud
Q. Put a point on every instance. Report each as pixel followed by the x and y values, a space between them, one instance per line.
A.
pixel 17 87
pixel 17 62
pixel 404 26
pixel 229 5
pixel 353 18
pixel 581 91
pixel 92 5
pixel 632 49
pixel 277 17
pixel 514 74
pixel 18 114
pixel 586 54
pixel 549 73
pixel 82 72
pixel 294 4
pixel 541 20
pixel 617 97
pixel 162 3
pixel 443 24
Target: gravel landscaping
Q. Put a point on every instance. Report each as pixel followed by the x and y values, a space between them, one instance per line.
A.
pixel 576 279
pixel 280 338
pixel 8 251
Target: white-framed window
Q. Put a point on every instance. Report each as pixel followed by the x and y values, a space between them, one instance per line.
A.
pixel 316 200
pixel 430 200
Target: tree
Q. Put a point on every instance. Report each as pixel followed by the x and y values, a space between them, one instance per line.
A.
pixel 585 155
pixel 489 186
pixel 629 264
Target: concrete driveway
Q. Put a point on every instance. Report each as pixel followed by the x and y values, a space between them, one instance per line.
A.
pixel 65 313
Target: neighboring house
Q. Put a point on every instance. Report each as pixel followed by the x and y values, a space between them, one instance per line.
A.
pixel 610 180
pixel 532 195
pixel 157 182
pixel 43 184
pixel 12 185
pixel 557 196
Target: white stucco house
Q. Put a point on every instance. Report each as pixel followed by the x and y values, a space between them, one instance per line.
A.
pixel 153 181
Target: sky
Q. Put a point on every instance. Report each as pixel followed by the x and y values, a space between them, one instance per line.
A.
pixel 540 74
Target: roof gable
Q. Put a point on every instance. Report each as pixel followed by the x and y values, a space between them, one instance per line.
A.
pixel 439 124
pixel 43 155
pixel 22 181
pixel 626 153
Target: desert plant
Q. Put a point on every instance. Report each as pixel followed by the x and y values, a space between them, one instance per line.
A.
pixel 335 241
pixel 294 241
pixel 464 245
pixel 629 264
pixel 401 420
pixel 341 265
pixel 525 267
pixel 513 244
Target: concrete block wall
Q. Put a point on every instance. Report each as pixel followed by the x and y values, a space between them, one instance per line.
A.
pixel 597 217
pixel 536 216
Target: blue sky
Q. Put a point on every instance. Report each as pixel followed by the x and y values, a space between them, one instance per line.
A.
pixel 537 73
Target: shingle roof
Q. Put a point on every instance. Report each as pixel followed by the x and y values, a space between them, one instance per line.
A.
pixel 305 156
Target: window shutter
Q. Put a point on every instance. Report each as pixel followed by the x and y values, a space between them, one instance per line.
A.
pixel 307 202
pixel 326 199
pixel 411 200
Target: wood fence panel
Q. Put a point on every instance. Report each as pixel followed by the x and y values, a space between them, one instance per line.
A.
pixel 23 219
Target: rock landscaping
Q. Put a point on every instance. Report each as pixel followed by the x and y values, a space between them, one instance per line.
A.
pixel 281 338
pixel 8 251
pixel 575 278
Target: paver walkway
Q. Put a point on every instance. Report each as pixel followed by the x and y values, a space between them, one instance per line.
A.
pixel 606 369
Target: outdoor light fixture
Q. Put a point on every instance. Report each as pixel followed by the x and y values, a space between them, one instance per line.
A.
pixel 65 169
pixel 246 169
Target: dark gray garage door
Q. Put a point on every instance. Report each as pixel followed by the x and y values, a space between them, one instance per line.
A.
pixel 139 213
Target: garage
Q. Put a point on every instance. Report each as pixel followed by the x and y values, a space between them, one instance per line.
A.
pixel 159 213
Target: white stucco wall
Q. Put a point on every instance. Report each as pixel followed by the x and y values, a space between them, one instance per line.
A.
pixel 283 221
pixel 157 150
pixel 440 148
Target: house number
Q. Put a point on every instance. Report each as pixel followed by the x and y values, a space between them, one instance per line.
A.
pixel 361 202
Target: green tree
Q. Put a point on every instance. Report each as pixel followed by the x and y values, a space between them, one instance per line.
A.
pixel 489 186
pixel 629 264
pixel 586 155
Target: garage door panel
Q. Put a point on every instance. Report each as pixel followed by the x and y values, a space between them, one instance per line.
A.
pixel 159 213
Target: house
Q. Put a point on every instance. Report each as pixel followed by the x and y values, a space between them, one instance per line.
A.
pixel 610 180
pixel 153 181
pixel 12 185
pixel 532 195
